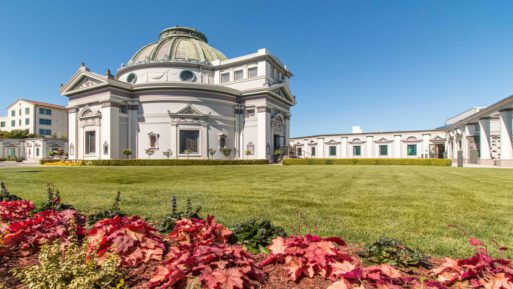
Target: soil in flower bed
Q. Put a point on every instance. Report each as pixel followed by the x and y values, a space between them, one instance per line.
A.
pixel 7 264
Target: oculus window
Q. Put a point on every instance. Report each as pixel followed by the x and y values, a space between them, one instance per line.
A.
pixel 411 150
pixel 189 141
pixel 383 150
pixel 131 78
pixel 357 150
pixel 90 142
pixel 187 75
pixel 333 150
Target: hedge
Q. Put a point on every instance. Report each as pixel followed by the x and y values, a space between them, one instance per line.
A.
pixel 174 162
pixel 364 161
pixel 44 161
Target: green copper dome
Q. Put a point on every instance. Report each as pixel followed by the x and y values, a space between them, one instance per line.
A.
pixel 179 44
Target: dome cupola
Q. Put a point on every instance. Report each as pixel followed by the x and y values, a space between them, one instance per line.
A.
pixel 178 44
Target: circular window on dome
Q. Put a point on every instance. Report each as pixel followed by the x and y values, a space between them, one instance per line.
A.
pixel 187 75
pixel 131 78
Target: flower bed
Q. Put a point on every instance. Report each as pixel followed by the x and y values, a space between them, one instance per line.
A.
pixel 127 251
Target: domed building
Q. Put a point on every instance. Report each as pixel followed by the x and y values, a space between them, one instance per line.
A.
pixel 179 97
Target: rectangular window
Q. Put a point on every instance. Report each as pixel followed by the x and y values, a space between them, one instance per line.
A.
pixel 19 122
pixel 189 141
pixel 45 121
pixel 90 142
pixel 250 113
pixel 123 109
pixel 225 77
pixel 222 141
pixel 13 123
pixel 13 112
pixel 333 150
pixel 19 111
pixel 45 111
pixel 2 124
pixel 312 151
pixel 299 152
pixel 27 121
pixel 411 150
pixel 27 110
pixel 357 151
pixel 237 75
pixel 383 150
pixel 252 72
pixel 45 132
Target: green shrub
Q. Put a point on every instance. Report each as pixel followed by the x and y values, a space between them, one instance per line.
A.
pixel 256 235
pixel 369 161
pixel 168 162
pixel 109 213
pixel 69 269
pixel 393 252
pixel 167 224
pixel 5 195
pixel 53 201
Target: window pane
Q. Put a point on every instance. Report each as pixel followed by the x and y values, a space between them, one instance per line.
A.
pixel 237 75
pixel 45 121
pixel 299 151
pixel 189 141
pixel 383 150
pixel 225 77
pixel 27 110
pixel 312 151
pixel 252 72
pixel 90 142
pixel 357 151
pixel 412 150
pixel 333 150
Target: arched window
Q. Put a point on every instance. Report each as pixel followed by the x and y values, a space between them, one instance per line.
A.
pixel 250 149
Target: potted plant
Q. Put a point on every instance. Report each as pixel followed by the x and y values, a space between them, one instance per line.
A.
pixel 150 152
pixel 168 153
pixel 226 151
pixel 127 153
pixel 212 152
pixel 248 153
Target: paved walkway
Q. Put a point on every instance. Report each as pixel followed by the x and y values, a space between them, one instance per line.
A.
pixel 19 165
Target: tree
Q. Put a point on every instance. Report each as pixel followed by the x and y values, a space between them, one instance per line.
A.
pixel 127 152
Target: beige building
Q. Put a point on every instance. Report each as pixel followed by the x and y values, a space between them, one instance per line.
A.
pixel 39 118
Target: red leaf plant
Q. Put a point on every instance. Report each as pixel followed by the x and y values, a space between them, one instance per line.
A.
pixel 25 237
pixel 199 232
pixel 14 211
pixel 131 238
pixel 214 266
pixel 478 271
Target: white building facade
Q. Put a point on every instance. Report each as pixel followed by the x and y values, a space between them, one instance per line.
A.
pixel 39 118
pixel 181 98
pixel 395 144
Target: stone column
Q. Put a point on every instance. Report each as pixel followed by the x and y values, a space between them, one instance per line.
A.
pixel 397 146
pixel 343 145
pixel 485 157
pixel 263 126
pixel 109 131
pixel 505 134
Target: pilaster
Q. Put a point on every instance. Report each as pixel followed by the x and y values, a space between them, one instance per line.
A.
pixel 505 135
pixel 485 157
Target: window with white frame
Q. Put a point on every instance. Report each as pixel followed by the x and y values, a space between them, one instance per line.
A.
pixel 333 150
pixel 225 77
pixel 189 141
pixel 252 72
pixel 383 150
pixel 90 142
pixel 299 152
pixel 411 150
pixel 312 151
pixel 357 151
pixel 237 75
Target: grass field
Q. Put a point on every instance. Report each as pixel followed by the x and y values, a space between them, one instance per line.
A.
pixel 359 203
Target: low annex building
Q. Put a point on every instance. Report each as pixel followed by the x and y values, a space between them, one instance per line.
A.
pixel 480 136
pixel 179 97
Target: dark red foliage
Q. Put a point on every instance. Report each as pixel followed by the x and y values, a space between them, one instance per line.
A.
pixel 130 238
pixel 199 232
pixel 13 211
pixel 25 237
pixel 212 266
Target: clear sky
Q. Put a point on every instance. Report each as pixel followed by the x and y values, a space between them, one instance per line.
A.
pixel 383 65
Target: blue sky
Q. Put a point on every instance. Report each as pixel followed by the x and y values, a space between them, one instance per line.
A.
pixel 383 65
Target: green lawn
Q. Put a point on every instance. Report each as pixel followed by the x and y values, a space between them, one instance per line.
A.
pixel 358 203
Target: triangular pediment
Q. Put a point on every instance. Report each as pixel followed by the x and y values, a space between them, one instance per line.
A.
pixel 83 80
pixel 189 110
pixel 383 140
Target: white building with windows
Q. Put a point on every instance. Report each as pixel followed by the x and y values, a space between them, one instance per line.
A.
pixel 39 118
pixel 392 144
pixel 179 97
